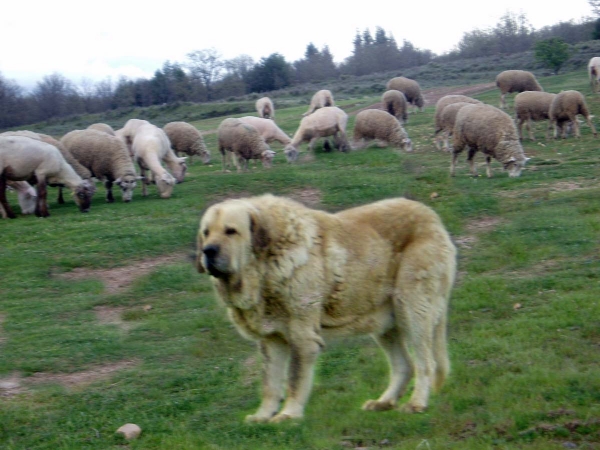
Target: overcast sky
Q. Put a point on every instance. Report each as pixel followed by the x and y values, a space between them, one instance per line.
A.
pixel 97 40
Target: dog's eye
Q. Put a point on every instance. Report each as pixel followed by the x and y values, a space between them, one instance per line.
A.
pixel 205 233
pixel 230 231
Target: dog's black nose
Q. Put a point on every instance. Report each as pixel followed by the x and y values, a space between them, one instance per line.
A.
pixel 210 251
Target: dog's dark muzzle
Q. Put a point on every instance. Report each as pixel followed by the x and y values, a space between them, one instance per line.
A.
pixel 211 253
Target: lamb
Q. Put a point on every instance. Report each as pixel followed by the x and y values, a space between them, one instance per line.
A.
pixel 102 127
pixel 245 142
pixel 448 119
pixel 515 81
pixel 79 169
pixel 382 126
pixel 326 121
pixel 106 157
pixel 268 129
pixel 150 147
pixel 594 73
pixel 265 108
pixel 22 158
pixel 395 103
pixel 491 131
pixel 321 99
pixel 411 90
pixel 439 126
pixel 186 138
pixel 532 106
pixel 564 109
pixel 25 193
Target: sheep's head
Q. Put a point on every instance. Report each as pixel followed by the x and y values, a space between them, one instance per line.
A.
pixel 165 184
pixel 514 166
pixel 27 200
pixel 407 144
pixel 267 158
pixel 127 184
pixel 291 153
pixel 83 194
pixel 179 167
pixel 205 155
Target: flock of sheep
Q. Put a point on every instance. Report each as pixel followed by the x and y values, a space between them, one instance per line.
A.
pixel 110 156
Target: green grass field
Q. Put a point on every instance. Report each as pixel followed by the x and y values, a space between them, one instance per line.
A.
pixel 78 360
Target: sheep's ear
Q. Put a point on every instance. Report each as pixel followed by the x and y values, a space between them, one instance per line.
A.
pixel 258 231
pixel 512 159
pixel 139 177
pixel 527 159
pixel 118 181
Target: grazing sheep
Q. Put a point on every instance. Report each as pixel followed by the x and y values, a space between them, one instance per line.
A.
pixel 268 129
pixel 515 81
pixel 491 131
pixel 79 169
pixel 447 121
pixel 25 193
pixel 439 107
pixel 594 73
pixel 127 133
pixel 326 121
pixel 265 108
pixel 564 109
pixel 321 99
pixel 532 106
pixel 150 148
pixel 106 157
pixel 23 158
pixel 395 103
pixel 411 90
pixel 382 126
pixel 245 142
pixel 102 127
pixel 186 138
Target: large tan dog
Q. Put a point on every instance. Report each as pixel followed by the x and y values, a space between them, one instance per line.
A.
pixel 291 277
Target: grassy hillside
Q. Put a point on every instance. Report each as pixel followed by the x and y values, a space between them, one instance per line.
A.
pixel 104 321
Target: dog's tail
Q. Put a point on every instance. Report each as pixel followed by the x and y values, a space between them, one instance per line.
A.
pixel 440 353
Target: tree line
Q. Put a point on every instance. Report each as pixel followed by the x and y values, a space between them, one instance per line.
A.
pixel 205 76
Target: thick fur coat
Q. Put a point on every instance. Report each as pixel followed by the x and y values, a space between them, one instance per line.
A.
pixel 291 277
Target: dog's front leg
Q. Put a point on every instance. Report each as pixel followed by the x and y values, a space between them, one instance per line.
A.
pixel 305 346
pixel 276 355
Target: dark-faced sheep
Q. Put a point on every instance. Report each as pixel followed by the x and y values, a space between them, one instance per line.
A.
pixel 565 108
pixel 411 90
pixel 515 81
pixel 491 131
pixel 532 106
pixel 394 102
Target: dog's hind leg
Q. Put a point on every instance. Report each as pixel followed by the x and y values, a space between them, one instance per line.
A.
pixel 276 355
pixel 393 343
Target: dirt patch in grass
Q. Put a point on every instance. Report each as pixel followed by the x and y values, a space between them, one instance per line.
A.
pixel 545 189
pixel 112 315
pixel 118 279
pixel 308 196
pixel 474 228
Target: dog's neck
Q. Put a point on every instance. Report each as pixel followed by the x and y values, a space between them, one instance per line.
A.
pixel 241 291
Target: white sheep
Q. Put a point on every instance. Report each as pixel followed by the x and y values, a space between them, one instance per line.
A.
pixel 102 127
pixel 510 81
pixel 394 102
pixel 244 142
pixel 594 73
pixel 150 148
pixel 106 157
pixel 127 133
pixel 264 107
pixel 447 121
pixel 532 106
pixel 439 127
pixel 382 126
pixel 268 129
pixel 186 138
pixel 320 99
pixel 23 158
pixel 491 131
pixel 565 108
pixel 25 193
pixel 324 122
pixel 411 90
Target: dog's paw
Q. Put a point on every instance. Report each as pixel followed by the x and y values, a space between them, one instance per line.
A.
pixel 283 418
pixel 412 408
pixel 256 418
pixel 374 405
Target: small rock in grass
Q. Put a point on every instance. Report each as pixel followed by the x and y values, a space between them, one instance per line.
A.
pixel 130 431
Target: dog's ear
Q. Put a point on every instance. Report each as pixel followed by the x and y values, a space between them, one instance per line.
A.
pixel 199 246
pixel 258 231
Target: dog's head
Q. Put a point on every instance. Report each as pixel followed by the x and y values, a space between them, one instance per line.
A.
pixel 229 236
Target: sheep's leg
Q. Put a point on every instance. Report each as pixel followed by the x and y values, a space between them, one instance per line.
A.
pixel 548 128
pixel 471 160
pixel 109 195
pixel 591 125
pixel 41 207
pixel 453 163
pixel 503 101
pixel 3 201
pixel 311 144
pixel 530 129
pixel 576 130
pixel 446 141
pixel 144 181
pixel 488 167
pixel 60 200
